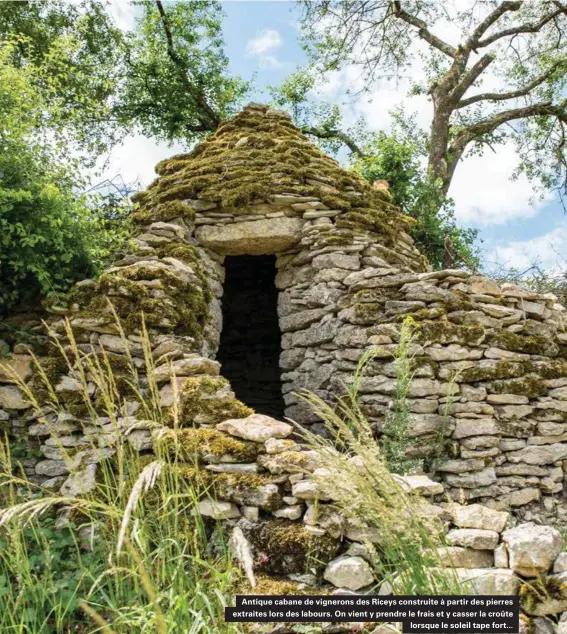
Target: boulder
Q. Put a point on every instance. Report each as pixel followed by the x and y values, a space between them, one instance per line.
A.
pixel 256 427
pixel 532 549
pixel 352 573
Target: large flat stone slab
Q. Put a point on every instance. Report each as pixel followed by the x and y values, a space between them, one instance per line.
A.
pixel 251 237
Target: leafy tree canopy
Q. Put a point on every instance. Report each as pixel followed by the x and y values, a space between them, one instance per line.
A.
pixel 49 234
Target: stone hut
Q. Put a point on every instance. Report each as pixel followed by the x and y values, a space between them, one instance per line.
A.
pixel 259 258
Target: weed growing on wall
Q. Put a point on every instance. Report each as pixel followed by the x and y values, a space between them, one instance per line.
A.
pixel 396 441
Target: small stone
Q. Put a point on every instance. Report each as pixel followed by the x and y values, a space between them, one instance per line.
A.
pixel 507 399
pixel 476 427
pixel 15 367
pixel 532 549
pixel 256 427
pixel 487 581
pixel 423 485
pixel 81 482
pixel 336 261
pixel 501 559
pixel 352 573
pixel 560 564
pixel 479 516
pixel 233 468
pixel 289 512
pixel 458 557
pixel 279 445
pixel 51 468
pixel 473 538
pixel 483 478
pixel 11 397
pixel 308 490
pixel 218 510
pixel 251 513
pixel 522 497
pixel 539 454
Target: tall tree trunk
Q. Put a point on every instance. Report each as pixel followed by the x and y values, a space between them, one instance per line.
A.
pixel 438 164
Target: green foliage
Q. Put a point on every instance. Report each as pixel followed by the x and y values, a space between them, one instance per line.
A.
pixel 49 568
pixel 163 94
pixel 75 50
pixel 399 159
pixel 49 236
pixel 131 553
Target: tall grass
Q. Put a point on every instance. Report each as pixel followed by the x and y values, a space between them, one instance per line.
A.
pixel 128 557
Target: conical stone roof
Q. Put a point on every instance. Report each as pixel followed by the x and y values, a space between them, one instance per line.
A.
pixel 257 158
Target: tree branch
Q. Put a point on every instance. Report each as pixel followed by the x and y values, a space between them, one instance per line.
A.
pixel 208 117
pixel 423 32
pixel 470 77
pixel 513 94
pixel 321 133
pixel 491 19
pixel 528 27
pixel 544 108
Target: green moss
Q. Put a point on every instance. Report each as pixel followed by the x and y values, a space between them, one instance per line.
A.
pixel 207 397
pixel 243 489
pixel 200 444
pixel 253 156
pixel 266 584
pixel 288 548
pixel 184 311
pixel 444 331
pixel 164 212
pixel 500 370
pixel 508 340
pixel 426 314
pixel 531 386
pixel 368 313
pixel 552 369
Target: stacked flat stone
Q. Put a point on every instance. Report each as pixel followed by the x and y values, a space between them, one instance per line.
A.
pixel 490 375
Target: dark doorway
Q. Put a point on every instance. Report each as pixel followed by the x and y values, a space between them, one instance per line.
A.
pixel 250 342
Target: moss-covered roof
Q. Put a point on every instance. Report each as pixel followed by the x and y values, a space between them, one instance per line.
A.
pixel 257 156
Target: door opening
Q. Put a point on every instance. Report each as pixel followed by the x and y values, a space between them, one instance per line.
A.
pixel 250 341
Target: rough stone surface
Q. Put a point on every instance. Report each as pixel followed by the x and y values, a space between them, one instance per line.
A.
pixel 256 427
pixel 532 549
pixel 352 573
pixel 255 237
pixel 479 516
